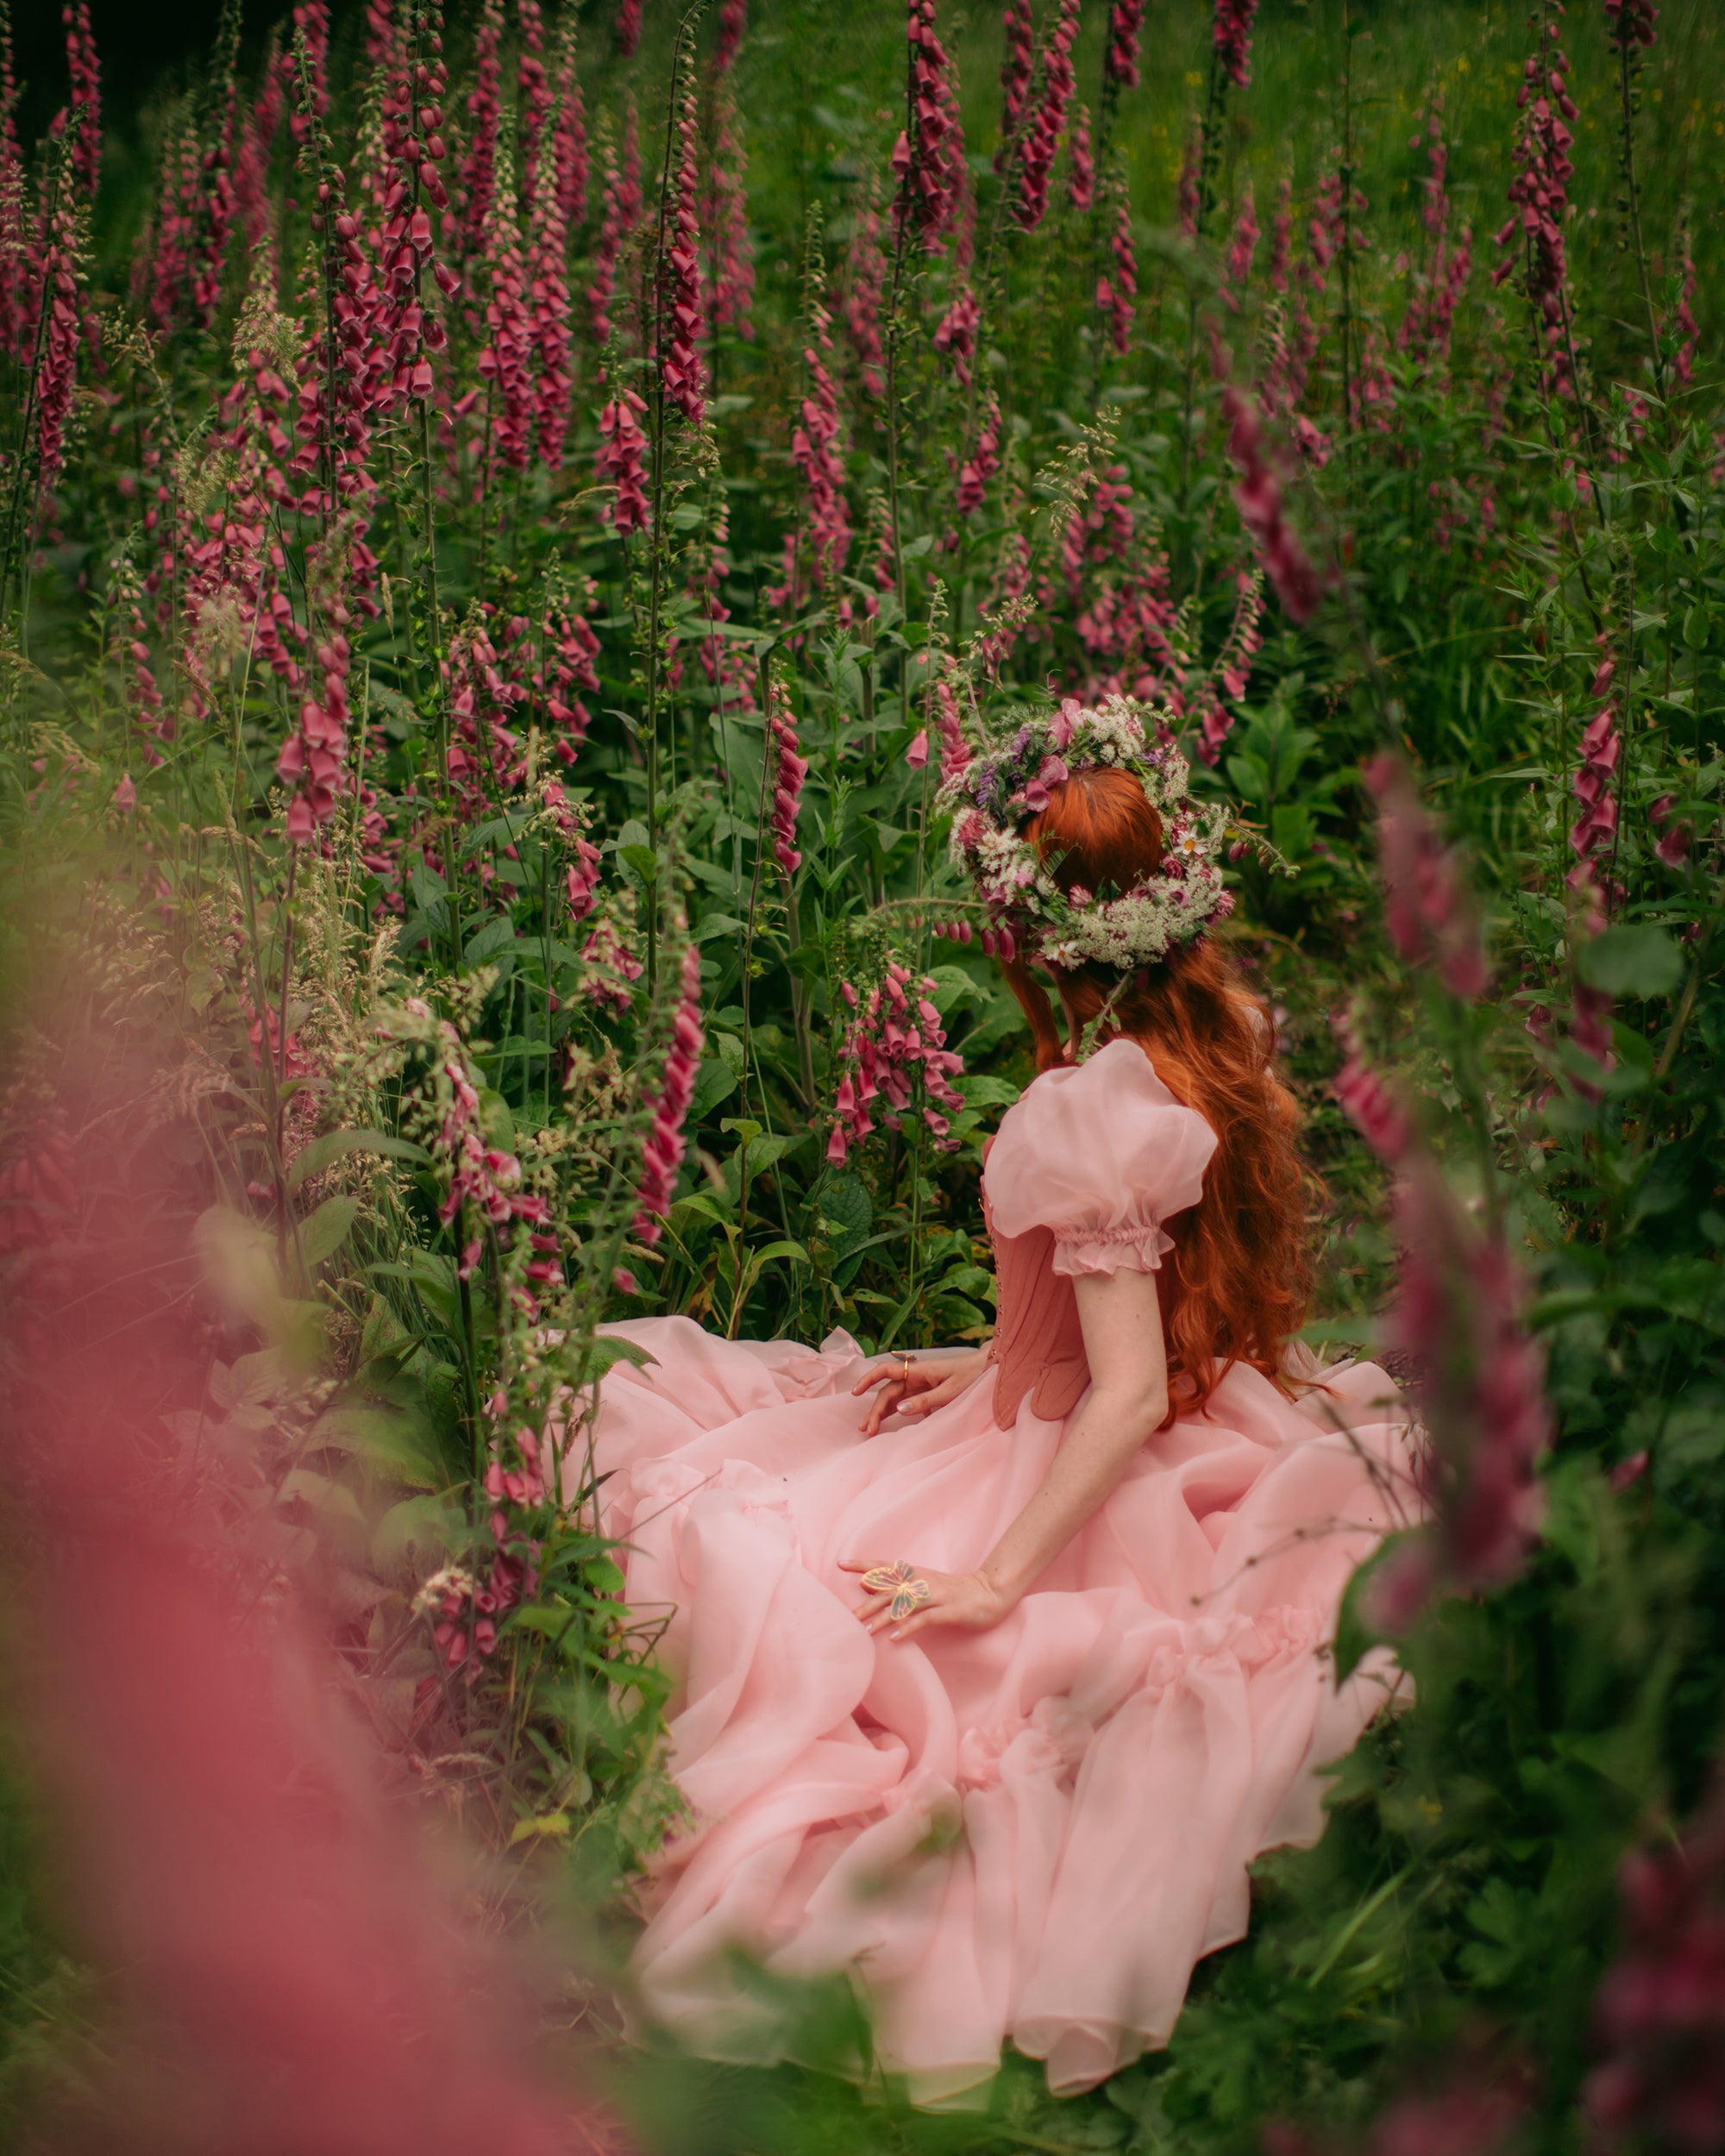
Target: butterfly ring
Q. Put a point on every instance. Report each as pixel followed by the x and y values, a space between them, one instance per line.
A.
pixel 900 1582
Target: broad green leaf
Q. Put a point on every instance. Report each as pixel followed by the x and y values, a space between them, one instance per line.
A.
pixel 714 1081
pixel 324 1233
pixel 1634 959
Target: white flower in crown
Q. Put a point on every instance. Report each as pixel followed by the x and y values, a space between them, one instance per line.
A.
pixel 1009 780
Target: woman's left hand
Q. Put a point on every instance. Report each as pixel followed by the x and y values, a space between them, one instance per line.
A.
pixel 964 1598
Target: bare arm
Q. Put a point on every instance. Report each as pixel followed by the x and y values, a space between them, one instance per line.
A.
pixel 1127 1401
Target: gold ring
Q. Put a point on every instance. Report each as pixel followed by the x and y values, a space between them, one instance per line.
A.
pixel 906 1360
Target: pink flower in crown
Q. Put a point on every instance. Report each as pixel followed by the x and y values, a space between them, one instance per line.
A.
pixel 1079 896
pixel 1053 772
pixel 1034 796
pixel 972 830
pixel 1064 723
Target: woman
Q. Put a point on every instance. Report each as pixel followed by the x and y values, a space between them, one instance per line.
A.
pixel 993 1699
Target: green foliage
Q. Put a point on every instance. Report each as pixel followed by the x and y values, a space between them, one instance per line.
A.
pixel 336 1020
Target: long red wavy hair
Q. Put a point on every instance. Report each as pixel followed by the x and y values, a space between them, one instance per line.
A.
pixel 1236 1284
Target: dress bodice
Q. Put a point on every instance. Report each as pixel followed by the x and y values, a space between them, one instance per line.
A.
pixel 1039 1345
pixel 1086 1167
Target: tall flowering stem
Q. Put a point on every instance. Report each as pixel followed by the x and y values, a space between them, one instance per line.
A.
pixel 1257 495
pixel 1533 237
pixel 661 1155
pixel 1429 911
pixel 683 370
pixel 1631 24
pixel 1231 37
pixel 1479 1375
pixel 1048 120
pixel 789 769
pixel 84 125
pixel 1120 47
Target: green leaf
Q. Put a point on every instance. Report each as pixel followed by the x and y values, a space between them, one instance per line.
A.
pixel 642 860
pixel 324 1233
pixel 714 1081
pixel 1632 960
pixel 324 1152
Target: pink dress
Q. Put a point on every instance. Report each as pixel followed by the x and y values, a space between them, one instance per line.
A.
pixel 1030 1833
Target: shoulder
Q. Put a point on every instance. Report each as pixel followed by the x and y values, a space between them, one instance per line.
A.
pixel 1097 1142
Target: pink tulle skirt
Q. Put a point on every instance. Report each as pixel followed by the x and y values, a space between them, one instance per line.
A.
pixel 1027 1834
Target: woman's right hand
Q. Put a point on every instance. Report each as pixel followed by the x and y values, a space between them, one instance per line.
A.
pixel 917 1385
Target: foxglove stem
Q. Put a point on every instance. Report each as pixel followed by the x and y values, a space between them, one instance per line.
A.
pixel 663 1153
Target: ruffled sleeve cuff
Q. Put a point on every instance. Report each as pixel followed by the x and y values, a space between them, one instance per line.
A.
pixel 1137 1248
pixel 1102 1154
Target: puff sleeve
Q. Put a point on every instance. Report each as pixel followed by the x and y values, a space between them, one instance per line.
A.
pixel 1102 1154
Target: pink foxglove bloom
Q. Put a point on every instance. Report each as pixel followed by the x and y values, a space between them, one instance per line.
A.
pixel 621 461
pixel 308 101
pixel 894 1039
pixel 1429 911
pixel 1047 121
pixel 1257 495
pixel 733 21
pixel 684 371
pixel 954 750
pixel 1659 2016
pixel 628 27
pixel 662 1154
pixel 1017 63
pixel 788 771
pixel 815 451
pixel 1631 21
pixel 1080 186
pixel 1674 843
pixel 955 334
pixel 928 159
pixel 569 137
pixel 861 307
pixel 57 367
pixel 582 877
pixel 547 284
pixel 621 214
pixel 1187 189
pixel 1381 1118
pixel 1117 288
pixel 313 757
pixel 1231 34
pixel 916 757
pixel 1483 1384
pixel 725 214
pixel 1223 688
pixel 1533 237
pixel 532 98
pixel 1684 324
pixel 476 185
pixel 506 363
pixel 1595 786
pixel 980 466
pixel 612 969
pixel 1242 247
pixel 86 95
pixel 1120 55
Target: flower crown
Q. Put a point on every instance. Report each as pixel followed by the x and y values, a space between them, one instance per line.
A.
pixel 996 791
